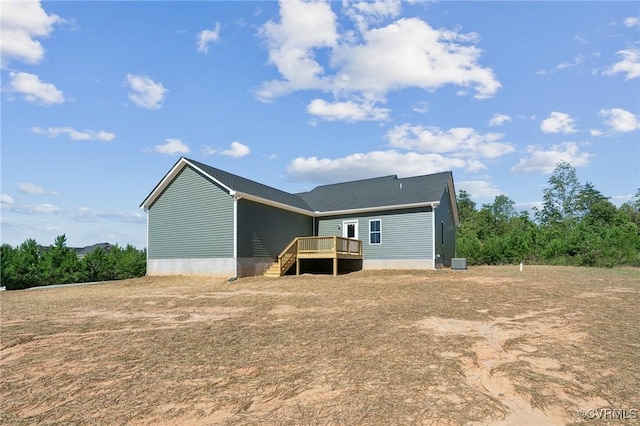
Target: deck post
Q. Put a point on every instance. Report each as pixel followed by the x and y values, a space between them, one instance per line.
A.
pixel 298 266
pixel 335 255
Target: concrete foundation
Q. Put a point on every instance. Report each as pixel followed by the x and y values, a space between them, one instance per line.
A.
pixel 373 264
pixel 253 266
pixel 204 266
pixel 257 266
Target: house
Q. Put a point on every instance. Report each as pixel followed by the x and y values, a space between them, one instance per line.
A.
pixel 81 252
pixel 203 220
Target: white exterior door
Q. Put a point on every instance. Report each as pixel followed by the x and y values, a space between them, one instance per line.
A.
pixel 350 229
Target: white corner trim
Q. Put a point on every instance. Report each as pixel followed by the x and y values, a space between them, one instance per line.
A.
pixel 235 233
pixel 434 231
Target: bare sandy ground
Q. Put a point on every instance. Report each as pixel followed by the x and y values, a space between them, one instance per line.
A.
pixel 489 346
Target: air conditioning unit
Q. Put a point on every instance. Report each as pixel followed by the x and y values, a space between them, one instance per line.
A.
pixel 459 264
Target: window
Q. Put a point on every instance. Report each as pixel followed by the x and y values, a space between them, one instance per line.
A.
pixel 442 232
pixel 375 231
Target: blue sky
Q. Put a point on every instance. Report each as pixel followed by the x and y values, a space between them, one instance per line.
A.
pixel 100 99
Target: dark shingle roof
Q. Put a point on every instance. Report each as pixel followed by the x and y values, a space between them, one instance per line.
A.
pixel 378 192
pixel 248 186
pixel 373 193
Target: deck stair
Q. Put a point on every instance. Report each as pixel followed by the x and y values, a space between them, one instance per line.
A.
pixel 332 247
pixel 273 271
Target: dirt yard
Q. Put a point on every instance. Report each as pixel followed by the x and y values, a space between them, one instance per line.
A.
pixel 487 346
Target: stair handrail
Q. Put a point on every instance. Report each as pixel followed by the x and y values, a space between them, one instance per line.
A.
pixel 292 250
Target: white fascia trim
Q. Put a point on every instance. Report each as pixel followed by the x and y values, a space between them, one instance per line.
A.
pixel 210 177
pixel 432 204
pixel 271 203
pixel 454 203
pixel 171 176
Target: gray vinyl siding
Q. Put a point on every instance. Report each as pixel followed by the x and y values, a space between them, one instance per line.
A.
pixel 406 234
pixel 192 218
pixel 264 231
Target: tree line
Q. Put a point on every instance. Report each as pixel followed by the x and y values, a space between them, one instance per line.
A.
pixel 28 265
pixel 576 225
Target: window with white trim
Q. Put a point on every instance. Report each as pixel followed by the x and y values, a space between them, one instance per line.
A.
pixel 375 231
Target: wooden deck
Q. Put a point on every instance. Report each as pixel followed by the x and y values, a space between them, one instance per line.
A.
pixel 318 248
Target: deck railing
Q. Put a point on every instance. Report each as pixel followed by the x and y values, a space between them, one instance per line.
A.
pixel 318 247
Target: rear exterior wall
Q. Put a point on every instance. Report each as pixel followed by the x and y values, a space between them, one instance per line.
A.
pixel 190 228
pixel 445 231
pixel 406 237
pixel 263 232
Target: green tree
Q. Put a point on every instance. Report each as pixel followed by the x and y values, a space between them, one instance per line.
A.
pixel 631 209
pixel 466 207
pixel 98 266
pixel 8 262
pixel 28 265
pixel 60 263
pixel 129 262
pixel 520 239
pixel 560 197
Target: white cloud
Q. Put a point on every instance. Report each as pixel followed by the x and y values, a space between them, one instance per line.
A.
pixel 620 120
pixel 79 214
pixel 6 199
pixel 237 150
pixel 479 189
pixel 21 23
pixel 499 120
pixel 33 189
pixel 631 21
pixel 172 146
pixel 629 65
pixel 76 135
pixel 421 107
pixel 347 111
pixel 371 164
pixel 35 91
pixel 145 92
pixel 407 53
pixel 462 141
pixel 558 122
pixel 205 37
pixel 576 61
pixel 410 53
pixel 303 26
pixel 595 132
pixel 208 150
pixel 545 161
pixel 366 13
pixel 30 188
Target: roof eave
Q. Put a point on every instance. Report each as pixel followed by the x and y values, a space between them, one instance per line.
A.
pixel 453 200
pixel 271 203
pixel 378 208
